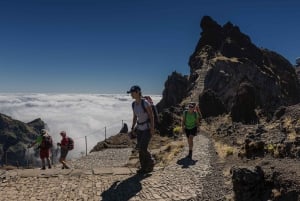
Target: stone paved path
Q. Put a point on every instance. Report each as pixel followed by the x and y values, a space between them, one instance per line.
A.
pixel 102 176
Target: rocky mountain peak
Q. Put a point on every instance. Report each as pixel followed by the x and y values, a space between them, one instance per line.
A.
pixel 228 65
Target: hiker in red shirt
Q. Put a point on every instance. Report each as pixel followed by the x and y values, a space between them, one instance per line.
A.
pixel 63 149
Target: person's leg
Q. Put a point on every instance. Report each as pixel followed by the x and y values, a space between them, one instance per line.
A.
pixel 43 164
pixel 49 162
pixel 146 160
pixel 191 144
pixel 62 159
pixel 42 156
pixel 188 135
pixel 65 161
pixel 138 139
pixel 192 134
pixel 47 155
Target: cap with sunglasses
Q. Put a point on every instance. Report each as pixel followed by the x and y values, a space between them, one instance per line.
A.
pixel 191 106
pixel 134 88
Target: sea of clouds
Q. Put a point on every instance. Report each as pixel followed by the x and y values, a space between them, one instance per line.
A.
pixel 82 116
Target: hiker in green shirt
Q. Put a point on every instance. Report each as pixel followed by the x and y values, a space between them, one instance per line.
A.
pixel 44 146
pixel 190 122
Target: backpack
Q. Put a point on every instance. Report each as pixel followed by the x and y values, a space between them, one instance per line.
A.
pixel 153 107
pixel 47 142
pixel 70 144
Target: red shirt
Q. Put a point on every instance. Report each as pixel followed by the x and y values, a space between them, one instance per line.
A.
pixel 64 141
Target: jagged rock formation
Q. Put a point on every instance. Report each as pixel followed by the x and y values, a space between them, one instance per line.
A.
pixel 210 104
pixel 248 184
pixel 244 104
pixel 297 68
pixel 224 60
pixel 14 138
pixel 174 92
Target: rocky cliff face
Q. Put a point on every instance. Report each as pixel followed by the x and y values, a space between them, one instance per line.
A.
pixel 224 61
pixel 14 138
pixel 258 90
pixel 175 91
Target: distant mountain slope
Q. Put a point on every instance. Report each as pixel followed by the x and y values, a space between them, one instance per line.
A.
pixel 14 138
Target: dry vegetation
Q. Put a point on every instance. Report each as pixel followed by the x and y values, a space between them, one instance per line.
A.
pixel 163 149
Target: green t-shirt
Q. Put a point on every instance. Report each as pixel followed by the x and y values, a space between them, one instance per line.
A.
pixel 190 119
pixel 39 140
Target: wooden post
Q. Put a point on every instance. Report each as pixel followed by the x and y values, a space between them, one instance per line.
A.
pixel 85 145
pixel 6 157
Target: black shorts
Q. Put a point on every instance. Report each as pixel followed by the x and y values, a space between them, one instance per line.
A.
pixel 63 153
pixel 192 131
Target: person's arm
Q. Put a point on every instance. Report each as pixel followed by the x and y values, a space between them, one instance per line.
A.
pixel 199 115
pixel 183 121
pixel 151 117
pixel 31 145
pixel 37 141
pixel 198 120
pixel 133 121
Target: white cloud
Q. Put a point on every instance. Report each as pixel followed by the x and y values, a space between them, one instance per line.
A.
pixel 79 115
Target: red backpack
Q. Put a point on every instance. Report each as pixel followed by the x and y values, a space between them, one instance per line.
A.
pixel 70 144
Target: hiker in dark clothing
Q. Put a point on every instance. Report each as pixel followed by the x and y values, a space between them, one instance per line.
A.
pixel 144 121
pixel 44 148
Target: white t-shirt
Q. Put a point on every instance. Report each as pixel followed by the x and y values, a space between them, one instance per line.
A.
pixel 142 116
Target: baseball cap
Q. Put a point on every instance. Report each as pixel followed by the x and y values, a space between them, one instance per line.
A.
pixel 63 133
pixel 134 88
pixel 191 105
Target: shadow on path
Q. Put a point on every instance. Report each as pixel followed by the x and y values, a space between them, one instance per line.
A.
pixel 186 162
pixel 124 190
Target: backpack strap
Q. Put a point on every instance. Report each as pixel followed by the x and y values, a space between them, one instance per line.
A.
pixel 145 111
pixel 143 105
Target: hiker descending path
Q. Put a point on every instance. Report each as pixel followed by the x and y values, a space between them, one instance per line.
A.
pixel 182 179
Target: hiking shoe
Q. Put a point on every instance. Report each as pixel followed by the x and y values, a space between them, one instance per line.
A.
pixel 144 171
pixel 43 168
pixel 49 167
pixel 149 170
pixel 141 171
pixel 190 155
pixel 66 167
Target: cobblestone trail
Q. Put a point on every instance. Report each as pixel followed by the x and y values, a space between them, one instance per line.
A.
pixel 102 176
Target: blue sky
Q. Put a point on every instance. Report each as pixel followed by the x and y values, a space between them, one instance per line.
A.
pixel 105 46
